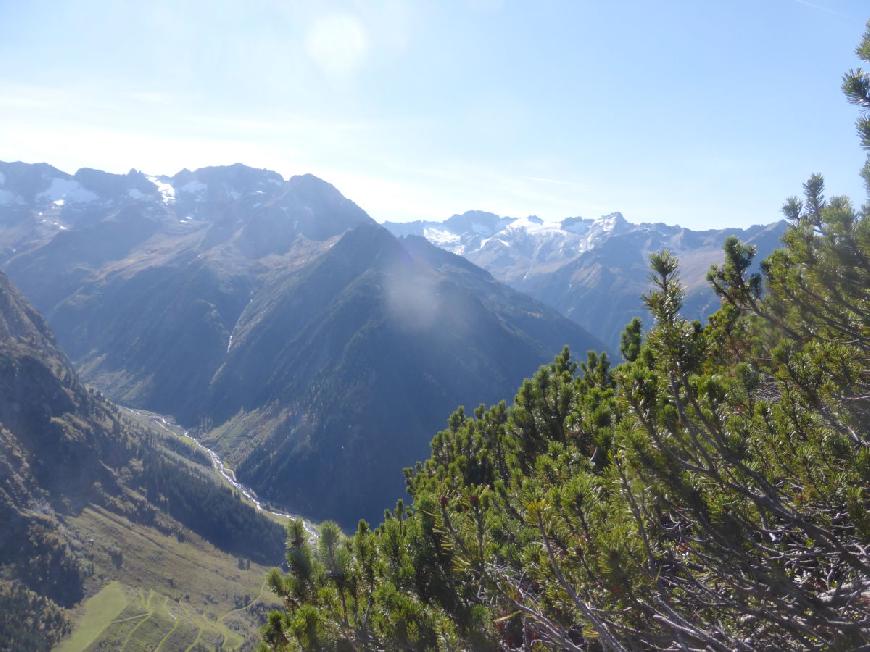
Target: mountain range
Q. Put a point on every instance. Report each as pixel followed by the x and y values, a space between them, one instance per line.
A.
pixel 593 271
pixel 313 349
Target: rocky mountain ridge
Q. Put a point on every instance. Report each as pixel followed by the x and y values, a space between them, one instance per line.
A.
pixel 594 271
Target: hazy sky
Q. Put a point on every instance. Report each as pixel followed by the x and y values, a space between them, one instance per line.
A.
pixel 701 112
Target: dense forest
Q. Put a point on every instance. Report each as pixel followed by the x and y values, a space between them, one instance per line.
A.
pixel 710 492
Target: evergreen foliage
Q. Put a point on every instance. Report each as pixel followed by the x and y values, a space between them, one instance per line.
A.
pixel 211 510
pixel 856 86
pixel 711 492
pixel 29 621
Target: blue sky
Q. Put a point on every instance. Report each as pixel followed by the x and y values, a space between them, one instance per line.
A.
pixel 703 113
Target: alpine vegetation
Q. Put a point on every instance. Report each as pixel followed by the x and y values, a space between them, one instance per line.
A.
pixel 711 492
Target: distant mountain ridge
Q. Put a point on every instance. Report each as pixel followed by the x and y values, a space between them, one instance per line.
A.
pixel 315 350
pixel 188 249
pixel 257 210
pixel 592 270
pixel 475 231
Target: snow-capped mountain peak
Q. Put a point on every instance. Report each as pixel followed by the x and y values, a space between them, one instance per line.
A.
pixel 479 235
pixel 594 270
pixel 611 221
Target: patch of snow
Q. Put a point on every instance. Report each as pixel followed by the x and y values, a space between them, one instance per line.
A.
pixel 608 223
pixel 529 237
pixel 167 192
pixel 533 226
pixel 193 188
pixel 67 189
pixel 58 202
pixel 441 237
pixel 494 241
pixel 53 223
pixel 577 226
pixel 447 240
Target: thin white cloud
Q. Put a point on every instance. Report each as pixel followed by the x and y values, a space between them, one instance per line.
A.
pixel 820 7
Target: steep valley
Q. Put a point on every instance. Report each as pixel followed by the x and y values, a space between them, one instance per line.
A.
pixel 313 350
pixel 94 498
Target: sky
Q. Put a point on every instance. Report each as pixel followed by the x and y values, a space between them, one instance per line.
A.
pixel 703 113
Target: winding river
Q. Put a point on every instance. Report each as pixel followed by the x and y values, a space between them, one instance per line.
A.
pixel 226 473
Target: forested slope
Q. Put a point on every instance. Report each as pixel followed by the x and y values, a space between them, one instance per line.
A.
pixel 67 454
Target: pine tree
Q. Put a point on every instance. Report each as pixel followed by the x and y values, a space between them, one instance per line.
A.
pixel 711 492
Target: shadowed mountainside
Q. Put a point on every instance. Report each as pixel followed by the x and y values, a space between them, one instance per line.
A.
pixel 66 452
pixel 316 351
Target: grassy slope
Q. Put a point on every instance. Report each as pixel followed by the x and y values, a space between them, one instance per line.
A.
pixel 165 594
pixel 97 614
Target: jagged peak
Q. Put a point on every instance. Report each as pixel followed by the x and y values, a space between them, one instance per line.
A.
pixel 311 183
pixel 235 174
pixel 611 221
